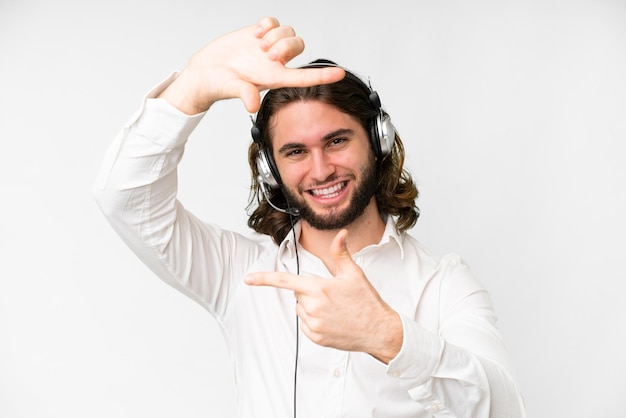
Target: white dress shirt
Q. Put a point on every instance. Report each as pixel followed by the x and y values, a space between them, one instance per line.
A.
pixel 452 362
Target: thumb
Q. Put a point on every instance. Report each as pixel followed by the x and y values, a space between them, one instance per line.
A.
pixel 341 256
pixel 247 92
pixel 250 96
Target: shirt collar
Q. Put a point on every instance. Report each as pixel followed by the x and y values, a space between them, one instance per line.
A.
pixel 390 234
pixel 288 244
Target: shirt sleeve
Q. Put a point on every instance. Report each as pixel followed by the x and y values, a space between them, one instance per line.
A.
pixel 136 190
pixel 460 369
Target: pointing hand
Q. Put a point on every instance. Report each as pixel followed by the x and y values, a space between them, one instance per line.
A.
pixel 344 312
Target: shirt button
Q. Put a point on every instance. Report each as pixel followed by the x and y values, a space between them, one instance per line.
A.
pixel 337 373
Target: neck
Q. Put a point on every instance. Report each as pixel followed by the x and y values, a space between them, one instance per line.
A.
pixel 368 229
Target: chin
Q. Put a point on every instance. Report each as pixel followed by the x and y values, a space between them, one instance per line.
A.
pixel 335 219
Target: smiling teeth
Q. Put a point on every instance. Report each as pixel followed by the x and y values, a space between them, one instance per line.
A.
pixel 328 192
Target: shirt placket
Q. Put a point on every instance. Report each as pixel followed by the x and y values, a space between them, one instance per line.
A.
pixel 338 368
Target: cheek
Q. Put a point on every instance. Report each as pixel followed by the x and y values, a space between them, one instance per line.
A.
pixel 355 162
pixel 291 174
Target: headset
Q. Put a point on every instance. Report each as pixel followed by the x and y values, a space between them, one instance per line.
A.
pixel 382 133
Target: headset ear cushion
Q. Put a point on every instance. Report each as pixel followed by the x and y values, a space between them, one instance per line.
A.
pixel 387 134
pixel 375 137
pixel 382 135
pixel 268 172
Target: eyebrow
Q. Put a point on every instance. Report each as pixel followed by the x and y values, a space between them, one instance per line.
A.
pixel 294 145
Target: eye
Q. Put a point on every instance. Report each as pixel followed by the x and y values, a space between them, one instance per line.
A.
pixel 337 142
pixel 294 153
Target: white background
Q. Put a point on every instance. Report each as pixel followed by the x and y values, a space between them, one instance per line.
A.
pixel 513 115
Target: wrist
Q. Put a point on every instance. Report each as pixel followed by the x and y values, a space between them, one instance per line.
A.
pixel 391 337
pixel 182 93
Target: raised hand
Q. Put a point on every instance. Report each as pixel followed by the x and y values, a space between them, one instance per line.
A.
pixel 344 312
pixel 240 65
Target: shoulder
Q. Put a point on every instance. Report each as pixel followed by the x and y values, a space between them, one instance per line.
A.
pixel 446 266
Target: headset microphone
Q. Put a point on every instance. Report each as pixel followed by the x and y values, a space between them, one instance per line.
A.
pixel 288 210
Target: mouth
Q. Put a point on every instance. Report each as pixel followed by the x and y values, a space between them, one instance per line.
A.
pixel 329 192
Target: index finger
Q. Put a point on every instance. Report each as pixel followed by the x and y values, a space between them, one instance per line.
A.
pixel 305 77
pixel 278 279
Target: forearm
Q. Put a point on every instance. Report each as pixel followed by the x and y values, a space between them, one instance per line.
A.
pixel 453 357
pixel 388 336
pixel 139 168
pixel 136 190
pixel 449 380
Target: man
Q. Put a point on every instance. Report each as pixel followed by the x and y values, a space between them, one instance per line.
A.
pixel 337 311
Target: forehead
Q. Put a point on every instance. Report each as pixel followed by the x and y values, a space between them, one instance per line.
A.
pixel 311 120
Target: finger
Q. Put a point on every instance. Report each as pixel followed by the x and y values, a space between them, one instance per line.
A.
pixel 339 247
pixel 281 280
pixel 250 97
pixel 275 35
pixel 305 77
pixel 265 25
pixel 340 254
pixel 247 92
pixel 284 49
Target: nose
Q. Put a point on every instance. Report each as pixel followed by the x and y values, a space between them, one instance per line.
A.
pixel 321 167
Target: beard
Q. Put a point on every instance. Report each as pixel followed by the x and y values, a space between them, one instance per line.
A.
pixel 336 219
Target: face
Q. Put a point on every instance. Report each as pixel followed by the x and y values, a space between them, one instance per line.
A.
pixel 325 162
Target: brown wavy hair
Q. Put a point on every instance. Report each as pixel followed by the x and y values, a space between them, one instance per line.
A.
pixel 395 193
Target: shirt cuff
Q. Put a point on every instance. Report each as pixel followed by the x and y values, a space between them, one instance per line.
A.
pixel 161 122
pixel 419 355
